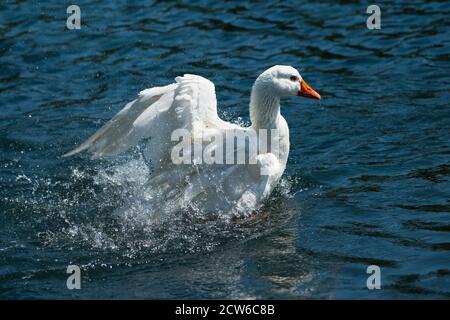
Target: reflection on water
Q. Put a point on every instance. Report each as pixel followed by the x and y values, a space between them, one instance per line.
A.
pixel 367 180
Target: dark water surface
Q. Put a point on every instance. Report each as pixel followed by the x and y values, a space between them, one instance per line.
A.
pixel 367 181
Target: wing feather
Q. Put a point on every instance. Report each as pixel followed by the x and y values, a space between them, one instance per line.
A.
pixel 189 103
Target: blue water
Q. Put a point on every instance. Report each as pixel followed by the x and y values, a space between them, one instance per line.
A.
pixel 367 182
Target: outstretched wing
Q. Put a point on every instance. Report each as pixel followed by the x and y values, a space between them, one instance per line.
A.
pixel 190 103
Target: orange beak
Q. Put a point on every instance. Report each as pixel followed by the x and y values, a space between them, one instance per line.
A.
pixel 307 92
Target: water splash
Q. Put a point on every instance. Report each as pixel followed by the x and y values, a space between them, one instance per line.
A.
pixel 106 208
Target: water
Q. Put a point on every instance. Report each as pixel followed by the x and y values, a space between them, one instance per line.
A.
pixel 367 180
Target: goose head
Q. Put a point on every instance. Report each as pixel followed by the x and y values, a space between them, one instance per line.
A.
pixel 282 81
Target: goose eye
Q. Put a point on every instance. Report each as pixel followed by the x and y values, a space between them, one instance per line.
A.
pixel 294 78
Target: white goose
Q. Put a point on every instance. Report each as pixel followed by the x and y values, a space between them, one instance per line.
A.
pixel 190 103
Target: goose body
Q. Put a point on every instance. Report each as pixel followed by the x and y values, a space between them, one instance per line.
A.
pixel 189 106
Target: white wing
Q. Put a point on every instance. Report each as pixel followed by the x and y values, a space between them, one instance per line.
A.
pixel 190 103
